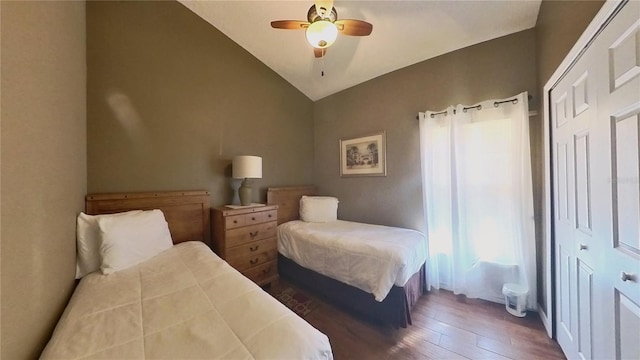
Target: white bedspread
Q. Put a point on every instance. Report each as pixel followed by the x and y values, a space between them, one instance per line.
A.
pixel 184 303
pixel 372 258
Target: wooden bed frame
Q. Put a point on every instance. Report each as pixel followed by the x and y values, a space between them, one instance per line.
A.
pixel 187 212
pixel 395 309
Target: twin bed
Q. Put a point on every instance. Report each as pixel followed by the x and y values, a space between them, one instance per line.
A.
pixel 152 288
pixel 183 302
pixel 375 271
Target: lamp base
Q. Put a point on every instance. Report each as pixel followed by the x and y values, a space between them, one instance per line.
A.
pixel 235 185
pixel 245 193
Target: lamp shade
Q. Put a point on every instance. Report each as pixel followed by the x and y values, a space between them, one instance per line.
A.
pixel 322 34
pixel 246 166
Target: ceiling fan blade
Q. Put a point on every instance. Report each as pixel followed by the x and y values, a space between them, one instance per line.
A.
pixel 354 27
pixel 290 24
pixel 319 52
pixel 323 7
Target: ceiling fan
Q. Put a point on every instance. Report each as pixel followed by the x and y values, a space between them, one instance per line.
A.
pixel 323 26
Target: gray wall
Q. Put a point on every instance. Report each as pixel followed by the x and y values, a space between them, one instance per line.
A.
pixel 495 69
pixel 171 100
pixel 560 23
pixel 43 166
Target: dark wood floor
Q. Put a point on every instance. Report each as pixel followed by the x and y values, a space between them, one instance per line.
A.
pixel 445 326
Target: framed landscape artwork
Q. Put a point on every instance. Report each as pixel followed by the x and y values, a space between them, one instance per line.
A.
pixel 364 156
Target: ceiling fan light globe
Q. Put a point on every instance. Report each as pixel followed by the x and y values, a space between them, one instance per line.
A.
pixel 321 34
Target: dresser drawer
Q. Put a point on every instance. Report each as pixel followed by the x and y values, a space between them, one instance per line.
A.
pixel 252 248
pixel 231 222
pixel 235 221
pixel 271 215
pixel 246 262
pixel 262 273
pixel 246 234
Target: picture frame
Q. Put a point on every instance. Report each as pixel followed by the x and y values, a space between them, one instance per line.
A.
pixel 364 156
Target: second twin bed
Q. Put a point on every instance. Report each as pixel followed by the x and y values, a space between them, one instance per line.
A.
pixel 374 270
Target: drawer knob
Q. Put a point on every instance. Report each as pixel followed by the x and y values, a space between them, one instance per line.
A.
pixel 583 247
pixel 269 215
pixel 235 221
pixel 253 234
pixel 267 270
pixel 254 261
pixel 253 219
pixel 254 248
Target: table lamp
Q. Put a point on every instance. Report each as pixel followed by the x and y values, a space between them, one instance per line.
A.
pixel 246 167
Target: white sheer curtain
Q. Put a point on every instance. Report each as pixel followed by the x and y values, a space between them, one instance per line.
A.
pixel 478 198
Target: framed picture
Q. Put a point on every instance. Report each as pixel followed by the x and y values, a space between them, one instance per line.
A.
pixel 364 156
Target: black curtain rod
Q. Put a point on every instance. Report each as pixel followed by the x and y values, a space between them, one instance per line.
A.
pixel 497 103
pixel 440 113
pixel 479 107
pixel 434 114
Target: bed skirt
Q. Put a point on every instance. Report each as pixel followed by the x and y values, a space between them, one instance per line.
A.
pixel 394 310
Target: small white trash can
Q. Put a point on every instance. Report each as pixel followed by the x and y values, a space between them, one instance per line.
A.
pixel 515 299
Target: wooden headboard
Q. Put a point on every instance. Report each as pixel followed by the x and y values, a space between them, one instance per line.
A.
pixel 288 200
pixel 187 212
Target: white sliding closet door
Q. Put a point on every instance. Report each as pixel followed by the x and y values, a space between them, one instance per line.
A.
pixel 595 120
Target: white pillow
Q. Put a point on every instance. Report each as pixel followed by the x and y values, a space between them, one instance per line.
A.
pixel 318 208
pixel 127 241
pixel 87 240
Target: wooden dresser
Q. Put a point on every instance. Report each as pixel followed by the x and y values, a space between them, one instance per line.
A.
pixel 246 239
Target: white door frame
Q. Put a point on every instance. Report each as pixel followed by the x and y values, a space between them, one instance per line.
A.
pixel 609 8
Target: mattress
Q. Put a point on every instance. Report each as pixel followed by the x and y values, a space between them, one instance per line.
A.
pixel 372 258
pixel 185 302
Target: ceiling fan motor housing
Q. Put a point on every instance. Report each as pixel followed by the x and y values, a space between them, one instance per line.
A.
pixel 313 15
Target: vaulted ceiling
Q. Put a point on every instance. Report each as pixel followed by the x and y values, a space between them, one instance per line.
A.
pixel 404 33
